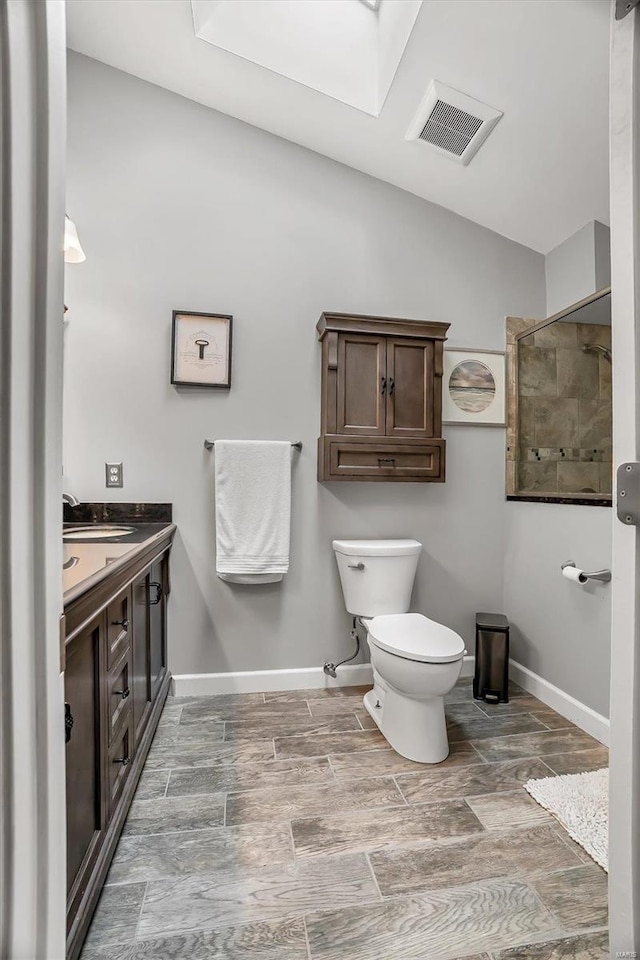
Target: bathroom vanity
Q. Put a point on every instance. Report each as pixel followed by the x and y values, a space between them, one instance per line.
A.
pixel 114 658
pixel 381 399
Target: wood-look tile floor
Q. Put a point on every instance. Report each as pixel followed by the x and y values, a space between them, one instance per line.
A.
pixel 283 827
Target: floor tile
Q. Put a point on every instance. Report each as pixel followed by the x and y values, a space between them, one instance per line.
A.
pixel 365 720
pixel 227 897
pixel 200 851
pixel 152 784
pixel 479 857
pixel 117 914
pixel 323 744
pixel 293 727
pixel 270 940
pixel 249 776
pixel 577 897
pixel 212 709
pixel 535 744
pixel 469 781
pixel 497 811
pixel 464 710
pixel 286 803
pixel 588 946
pixel 178 733
pixel 552 719
pixel 171 815
pixel 170 713
pixel 524 703
pixel 226 699
pixel 485 727
pixel 579 762
pixel 440 926
pixel 373 830
pixel 203 753
pixel 317 693
pixel 332 706
pixel 385 760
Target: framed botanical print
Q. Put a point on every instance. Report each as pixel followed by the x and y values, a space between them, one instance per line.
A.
pixel 473 387
pixel 201 349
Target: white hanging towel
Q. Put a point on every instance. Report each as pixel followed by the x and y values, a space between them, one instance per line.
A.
pixel 253 510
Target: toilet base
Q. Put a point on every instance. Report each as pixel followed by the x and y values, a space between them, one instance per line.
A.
pixel 416 729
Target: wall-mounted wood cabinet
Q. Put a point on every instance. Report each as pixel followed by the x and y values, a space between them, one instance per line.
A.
pixel 381 399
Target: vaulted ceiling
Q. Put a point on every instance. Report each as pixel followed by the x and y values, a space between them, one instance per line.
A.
pixel 540 176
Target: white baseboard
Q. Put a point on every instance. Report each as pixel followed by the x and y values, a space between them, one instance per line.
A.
pixel 360 674
pixel 579 713
pixel 257 681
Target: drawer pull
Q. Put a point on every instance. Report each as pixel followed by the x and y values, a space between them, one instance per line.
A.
pixel 392 386
pixel 122 693
pixel 383 385
pixel 391 460
pixel 121 623
pixel 125 761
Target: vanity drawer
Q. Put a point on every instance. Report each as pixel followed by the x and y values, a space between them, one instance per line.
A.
pixel 369 459
pixel 119 682
pixel 119 762
pixel 118 626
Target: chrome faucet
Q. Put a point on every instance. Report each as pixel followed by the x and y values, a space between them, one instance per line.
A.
pixel 70 499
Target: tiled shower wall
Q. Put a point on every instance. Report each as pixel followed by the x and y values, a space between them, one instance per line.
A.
pixel 564 411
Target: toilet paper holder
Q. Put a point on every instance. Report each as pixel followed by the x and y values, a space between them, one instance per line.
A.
pixel 603 575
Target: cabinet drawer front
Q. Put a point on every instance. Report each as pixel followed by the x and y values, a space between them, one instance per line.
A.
pixel 118 626
pixel 119 690
pixel 388 461
pixel 119 763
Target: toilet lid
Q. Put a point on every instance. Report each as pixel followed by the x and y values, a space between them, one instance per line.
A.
pixel 415 637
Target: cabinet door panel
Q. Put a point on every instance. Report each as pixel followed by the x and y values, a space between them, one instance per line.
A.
pixel 140 684
pixel 410 371
pixel 83 756
pixel 361 384
pixel 157 628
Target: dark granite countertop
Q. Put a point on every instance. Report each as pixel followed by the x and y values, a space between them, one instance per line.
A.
pixel 89 562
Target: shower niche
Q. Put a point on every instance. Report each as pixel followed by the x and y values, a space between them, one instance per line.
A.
pixel 559 424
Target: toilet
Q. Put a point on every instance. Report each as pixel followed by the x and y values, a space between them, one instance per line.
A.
pixel 416 661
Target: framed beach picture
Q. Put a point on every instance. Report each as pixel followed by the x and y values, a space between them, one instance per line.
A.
pixel 201 349
pixel 473 387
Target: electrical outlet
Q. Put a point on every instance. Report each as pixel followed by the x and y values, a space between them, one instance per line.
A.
pixel 114 474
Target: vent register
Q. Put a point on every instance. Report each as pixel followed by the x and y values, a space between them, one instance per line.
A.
pixel 452 122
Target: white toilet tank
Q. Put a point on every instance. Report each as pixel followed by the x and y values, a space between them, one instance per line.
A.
pixel 377 575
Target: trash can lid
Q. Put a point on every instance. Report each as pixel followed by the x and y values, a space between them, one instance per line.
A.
pixel 492 621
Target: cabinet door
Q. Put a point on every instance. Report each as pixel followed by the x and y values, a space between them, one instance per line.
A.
pixel 140 685
pixel 157 624
pixel 361 384
pixel 85 812
pixel 410 388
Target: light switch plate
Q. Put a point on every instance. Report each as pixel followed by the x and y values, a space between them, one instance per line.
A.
pixel 114 474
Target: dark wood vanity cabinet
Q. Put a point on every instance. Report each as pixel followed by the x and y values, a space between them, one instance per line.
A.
pixel 381 405
pixel 116 682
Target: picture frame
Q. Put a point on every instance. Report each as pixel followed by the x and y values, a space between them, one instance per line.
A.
pixel 201 349
pixel 474 387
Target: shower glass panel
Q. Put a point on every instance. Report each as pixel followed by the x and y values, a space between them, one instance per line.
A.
pixel 560 440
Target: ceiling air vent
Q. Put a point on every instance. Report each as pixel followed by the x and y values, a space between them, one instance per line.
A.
pixel 455 124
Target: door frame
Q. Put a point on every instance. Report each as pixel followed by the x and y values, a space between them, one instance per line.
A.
pixel 32 177
pixel 624 806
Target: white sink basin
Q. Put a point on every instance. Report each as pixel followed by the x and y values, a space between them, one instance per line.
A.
pixel 104 531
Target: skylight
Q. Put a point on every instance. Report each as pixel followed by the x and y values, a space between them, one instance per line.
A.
pixel 336 48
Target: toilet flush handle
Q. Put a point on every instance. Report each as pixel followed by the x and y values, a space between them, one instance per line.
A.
pixel 356 566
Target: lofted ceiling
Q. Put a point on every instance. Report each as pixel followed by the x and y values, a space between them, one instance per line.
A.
pixel 541 174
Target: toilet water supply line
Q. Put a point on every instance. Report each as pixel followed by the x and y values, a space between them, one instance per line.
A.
pixel 331 669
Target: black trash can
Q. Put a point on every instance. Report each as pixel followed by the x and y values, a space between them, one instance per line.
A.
pixel 491 680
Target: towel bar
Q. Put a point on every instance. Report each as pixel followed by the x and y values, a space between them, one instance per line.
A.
pixel 210 444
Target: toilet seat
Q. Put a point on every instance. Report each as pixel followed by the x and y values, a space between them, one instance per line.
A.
pixel 415 637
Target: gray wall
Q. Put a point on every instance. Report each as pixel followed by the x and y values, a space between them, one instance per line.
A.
pixel 562 631
pixel 181 207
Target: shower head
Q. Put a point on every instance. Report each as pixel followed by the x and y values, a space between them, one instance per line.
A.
pixel 597 348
